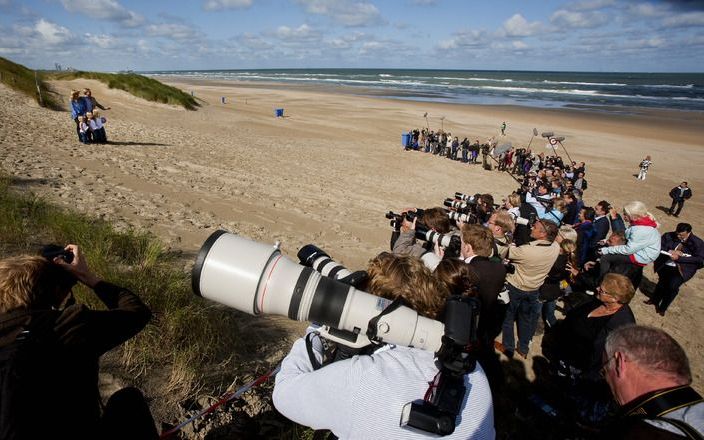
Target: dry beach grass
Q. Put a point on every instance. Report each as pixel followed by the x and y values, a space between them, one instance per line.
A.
pixel 327 172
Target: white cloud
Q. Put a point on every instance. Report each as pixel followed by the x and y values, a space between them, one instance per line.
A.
pixel 175 31
pixel 347 12
pixel 102 41
pixel 570 19
pixel 218 5
pixel 301 33
pixel 686 19
pixel 52 34
pixel 255 42
pixel 517 26
pixel 649 10
pixel 590 5
pixel 466 39
pixel 104 10
pixel 519 45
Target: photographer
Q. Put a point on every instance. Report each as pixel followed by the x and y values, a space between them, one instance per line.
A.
pixel 435 219
pixel 649 375
pixel 363 396
pixel 501 226
pixel 50 351
pixel 532 262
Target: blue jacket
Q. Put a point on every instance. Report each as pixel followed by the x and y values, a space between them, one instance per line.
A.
pixel 78 108
pixel 643 244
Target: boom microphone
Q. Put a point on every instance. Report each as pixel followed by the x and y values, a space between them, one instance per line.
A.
pixel 548 134
pixel 257 279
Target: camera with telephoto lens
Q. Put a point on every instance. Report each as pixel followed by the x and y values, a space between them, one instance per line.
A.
pixel 530 221
pixel 460 206
pixel 257 279
pixel 466 197
pixel 396 220
pixel 457 217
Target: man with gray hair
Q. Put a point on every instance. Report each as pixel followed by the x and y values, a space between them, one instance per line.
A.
pixel 649 375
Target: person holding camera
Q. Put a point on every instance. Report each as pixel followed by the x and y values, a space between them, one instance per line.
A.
pixel 364 396
pixel 50 350
pixel 433 218
pixel 532 263
pixel 649 376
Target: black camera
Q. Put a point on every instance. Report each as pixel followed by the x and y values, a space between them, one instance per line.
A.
pixel 52 251
pixel 397 219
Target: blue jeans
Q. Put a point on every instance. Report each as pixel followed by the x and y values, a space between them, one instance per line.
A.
pixel 523 308
pixel 548 310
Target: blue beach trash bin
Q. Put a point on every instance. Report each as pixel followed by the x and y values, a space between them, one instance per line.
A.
pixel 405 140
pixel 279 113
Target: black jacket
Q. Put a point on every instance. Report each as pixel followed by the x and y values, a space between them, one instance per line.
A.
pixel 492 277
pixel 675 194
pixel 49 364
pixel 687 266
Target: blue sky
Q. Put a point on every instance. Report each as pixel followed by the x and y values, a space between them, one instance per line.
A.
pixel 591 35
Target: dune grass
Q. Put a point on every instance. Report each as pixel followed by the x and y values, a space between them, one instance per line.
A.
pixel 185 333
pixel 22 79
pixel 138 85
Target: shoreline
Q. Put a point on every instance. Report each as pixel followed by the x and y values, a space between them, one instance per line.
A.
pixel 689 123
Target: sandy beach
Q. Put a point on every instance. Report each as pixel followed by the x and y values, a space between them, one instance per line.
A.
pixel 328 171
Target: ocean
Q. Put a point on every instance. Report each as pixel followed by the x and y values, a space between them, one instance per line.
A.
pixel 589 90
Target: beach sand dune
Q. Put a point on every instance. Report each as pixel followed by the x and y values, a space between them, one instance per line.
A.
pixel 328 171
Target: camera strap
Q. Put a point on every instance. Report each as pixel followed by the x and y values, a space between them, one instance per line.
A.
pixel 372 326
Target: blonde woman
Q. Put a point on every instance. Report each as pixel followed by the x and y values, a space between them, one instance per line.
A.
pixel 642 239
pixel 78 108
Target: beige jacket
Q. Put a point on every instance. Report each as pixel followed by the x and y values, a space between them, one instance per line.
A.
pixel 533 262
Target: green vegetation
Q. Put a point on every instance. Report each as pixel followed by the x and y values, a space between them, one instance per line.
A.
pixel 138 85
pixel 22 79
pixel 185 334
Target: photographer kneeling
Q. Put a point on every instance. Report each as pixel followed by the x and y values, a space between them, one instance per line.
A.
pixel 50 351
pixel 364 396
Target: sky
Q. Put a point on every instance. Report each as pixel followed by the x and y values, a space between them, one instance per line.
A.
pixel 585 35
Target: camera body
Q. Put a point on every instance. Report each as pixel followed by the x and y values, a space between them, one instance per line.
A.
pixel 52 251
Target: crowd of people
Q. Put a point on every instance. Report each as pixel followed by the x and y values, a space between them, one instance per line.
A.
pixel 90 125
pixel 539 246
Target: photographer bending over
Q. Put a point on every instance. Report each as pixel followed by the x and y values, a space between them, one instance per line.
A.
pixel 50 351
pixel 363 396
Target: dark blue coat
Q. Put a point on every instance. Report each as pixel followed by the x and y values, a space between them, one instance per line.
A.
pixel 687 266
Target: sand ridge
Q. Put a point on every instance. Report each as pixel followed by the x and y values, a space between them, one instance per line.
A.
pixel 327 172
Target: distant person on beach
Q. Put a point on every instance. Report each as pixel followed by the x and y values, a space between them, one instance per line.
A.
pixel 503 128
pixel 685 256
pixel 644 165
pixel 362 397
pixel 650 377
pixel 678 195
pixel 50 349
pixel 78 108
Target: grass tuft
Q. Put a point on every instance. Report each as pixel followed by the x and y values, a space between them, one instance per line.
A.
pixel 138 85
pixel 22 79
